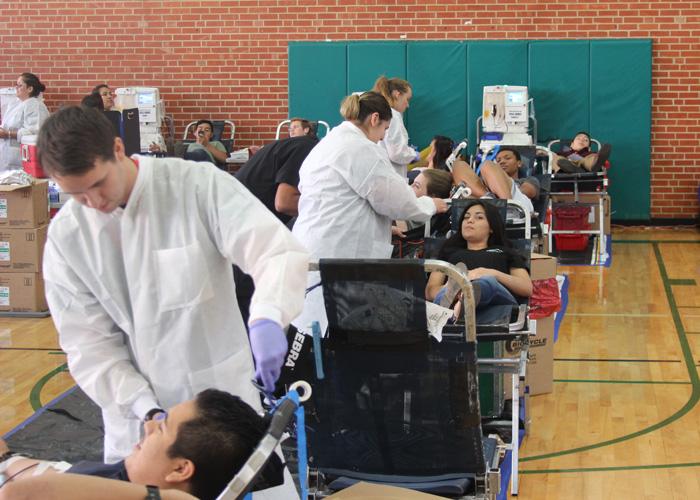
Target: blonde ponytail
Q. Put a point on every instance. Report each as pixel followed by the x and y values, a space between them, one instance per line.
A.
pixel 357 108
pixel 350 107
pixel 386 87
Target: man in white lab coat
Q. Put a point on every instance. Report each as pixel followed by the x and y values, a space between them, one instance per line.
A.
pixel 139 282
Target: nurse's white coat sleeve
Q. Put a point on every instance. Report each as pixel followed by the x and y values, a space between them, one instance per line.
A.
pixel 249 235
pixel 389 195
pixel 98 357
pixel 396 142
pixel 35 114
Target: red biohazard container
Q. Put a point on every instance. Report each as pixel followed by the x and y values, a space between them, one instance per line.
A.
pixel 30 163
pixel 571 218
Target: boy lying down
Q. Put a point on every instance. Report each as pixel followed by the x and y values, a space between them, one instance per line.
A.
pixel 191 451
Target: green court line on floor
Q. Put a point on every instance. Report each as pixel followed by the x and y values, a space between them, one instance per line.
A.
pixel 610 469
pixel 58 352
pixel 689 363
pixel 598 381
pixel 35 393
pixel 682 282
pixel 613 360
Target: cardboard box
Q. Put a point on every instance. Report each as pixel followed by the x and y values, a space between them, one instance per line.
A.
pixel 22 292
pixel 21 250
pixel 540 366
pixel 24 206
pixel 365 491
pixel 589 198
pixel 542 267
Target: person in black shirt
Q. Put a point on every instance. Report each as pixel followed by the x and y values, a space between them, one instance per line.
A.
pixel 272 175
pixel 497 269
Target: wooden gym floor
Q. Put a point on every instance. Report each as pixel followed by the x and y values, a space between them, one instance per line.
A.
pixel 623 420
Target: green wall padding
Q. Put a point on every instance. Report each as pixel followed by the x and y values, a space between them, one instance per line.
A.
pixel 621 114
pixel 559 83
pixel 317 80
pixel 600 85
pixel 491 63
pixel 437 72
pixel 368 60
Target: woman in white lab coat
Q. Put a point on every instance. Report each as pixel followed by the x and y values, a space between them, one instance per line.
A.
pixel 350 194
pixel 398 93
pixel 21 118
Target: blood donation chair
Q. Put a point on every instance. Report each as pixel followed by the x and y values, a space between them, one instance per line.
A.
pixel 566 191
pixel 396 405
pixel 503 334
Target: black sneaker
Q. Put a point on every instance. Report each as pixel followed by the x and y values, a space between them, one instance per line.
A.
pixel 603 156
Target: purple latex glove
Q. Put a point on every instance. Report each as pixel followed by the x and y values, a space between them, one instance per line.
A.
pixel 269 345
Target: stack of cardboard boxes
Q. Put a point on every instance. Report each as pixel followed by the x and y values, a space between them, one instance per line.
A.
pixel 24 219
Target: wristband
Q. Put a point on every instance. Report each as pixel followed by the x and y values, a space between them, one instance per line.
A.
pixel 152 493
pixel 152 413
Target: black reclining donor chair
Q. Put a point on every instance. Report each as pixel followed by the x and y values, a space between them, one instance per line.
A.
pixel 396 405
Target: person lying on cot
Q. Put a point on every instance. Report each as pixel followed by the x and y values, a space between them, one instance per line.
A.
pixel 497 271
pixel 499 179
pixel 577 157
pixel 196 447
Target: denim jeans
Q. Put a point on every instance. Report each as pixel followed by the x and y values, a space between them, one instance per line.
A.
pixel 493 293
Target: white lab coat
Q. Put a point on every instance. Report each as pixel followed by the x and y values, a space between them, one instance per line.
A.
pixel 143 298
pixel 349 196
pixel 25 117
pixel 396 144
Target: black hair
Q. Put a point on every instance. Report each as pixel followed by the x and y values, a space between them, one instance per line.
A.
pixel 208 122
pixel 93 101
pixel 584 133
pixel 443 147
pixel 219 440
pixel 497 237
pixel 512 150
pixel 97 88
pixel 72 139
pixel 31 80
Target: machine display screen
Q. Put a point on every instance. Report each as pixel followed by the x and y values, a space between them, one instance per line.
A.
pixel 146 99
pixel 516 97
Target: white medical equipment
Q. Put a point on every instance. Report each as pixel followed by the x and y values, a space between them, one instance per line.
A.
pixel 8 97
pixel 449 162
pixel 505 118
pixel 151 112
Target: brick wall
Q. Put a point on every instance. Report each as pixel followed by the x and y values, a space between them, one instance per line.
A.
pixel 229 58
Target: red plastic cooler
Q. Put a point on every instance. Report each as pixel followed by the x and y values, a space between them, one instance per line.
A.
pixel 571 218
pixel 29 157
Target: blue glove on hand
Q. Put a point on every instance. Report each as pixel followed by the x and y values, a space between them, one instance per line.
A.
pixel 269 346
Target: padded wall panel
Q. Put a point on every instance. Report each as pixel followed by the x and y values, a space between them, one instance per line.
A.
pixel 621 115
pixel 492 63
pixel 317 80
pixel 559 84
pixel 368 60
pixel 437 72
